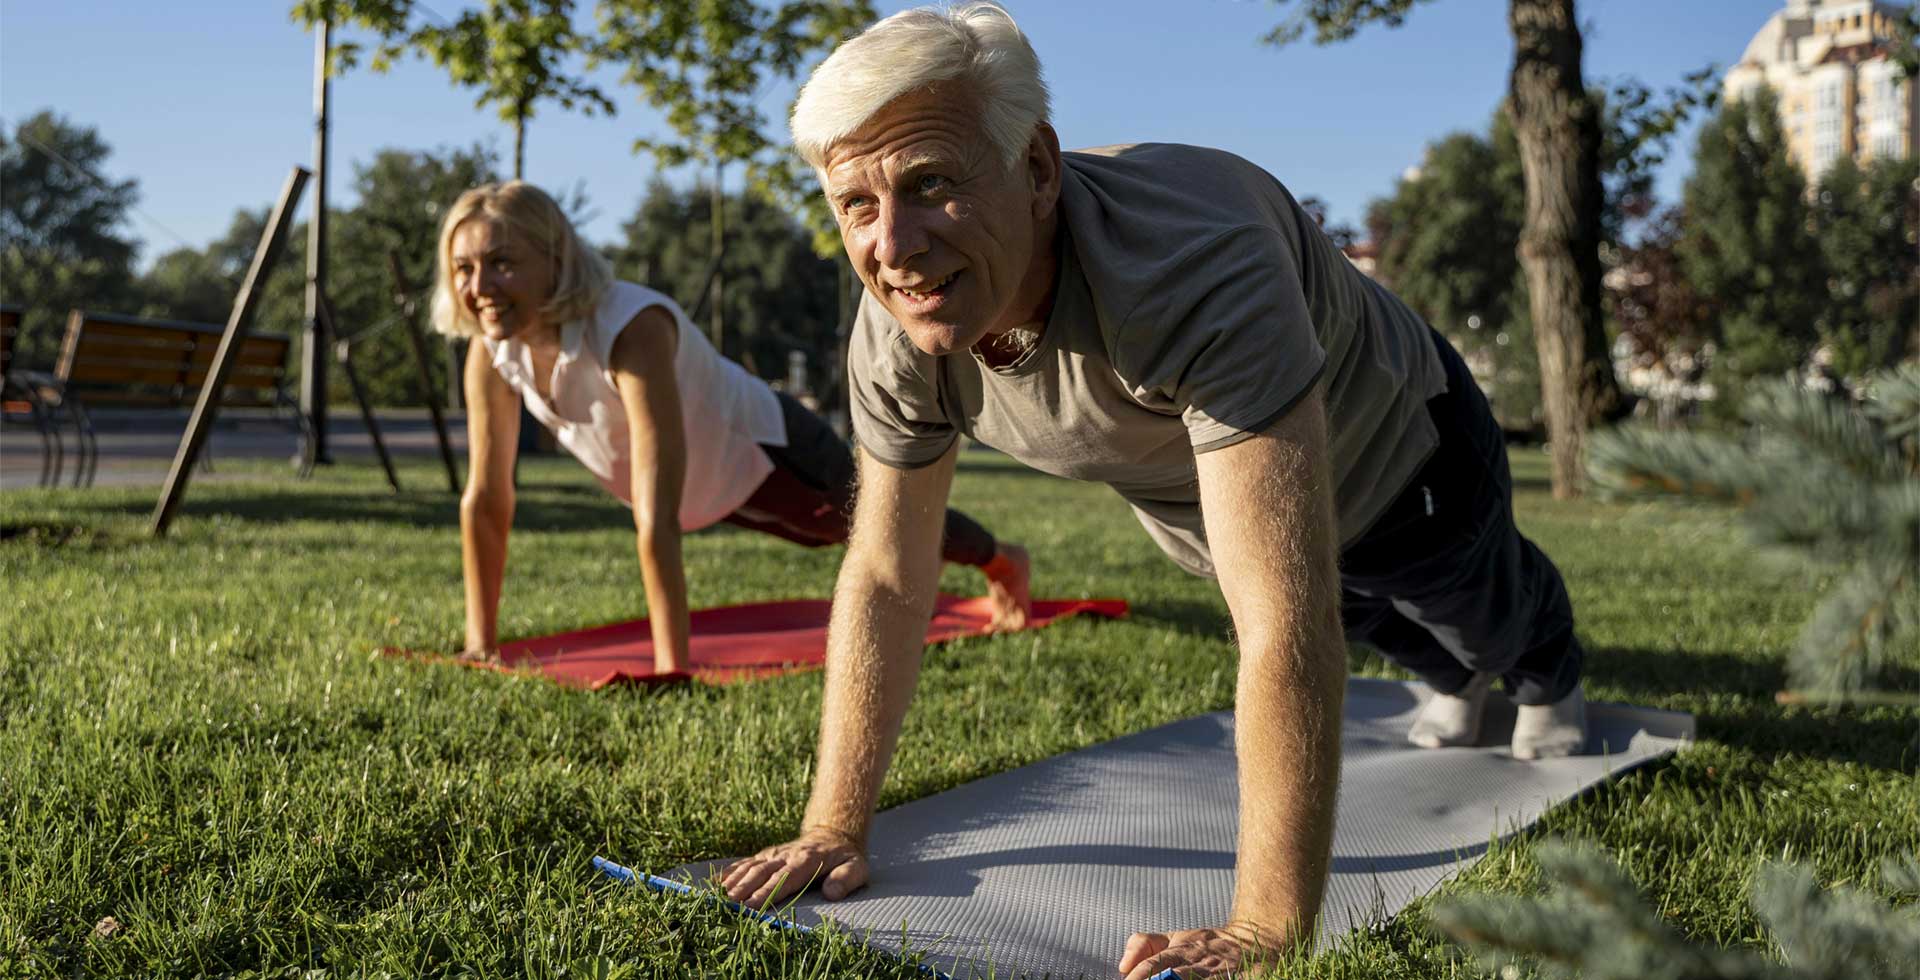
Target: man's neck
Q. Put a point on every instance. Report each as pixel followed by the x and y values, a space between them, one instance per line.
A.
pixel 1007 344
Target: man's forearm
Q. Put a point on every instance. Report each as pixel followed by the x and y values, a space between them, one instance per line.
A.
pixel 1287 730
pixel 1269 512
pixel 874 645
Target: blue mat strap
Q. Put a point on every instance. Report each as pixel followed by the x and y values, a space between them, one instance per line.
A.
pixel 628 876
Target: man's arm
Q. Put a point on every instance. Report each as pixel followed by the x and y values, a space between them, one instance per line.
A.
pixel 1268 506
pixel 875 640
pixel 642 366
pixel 486 508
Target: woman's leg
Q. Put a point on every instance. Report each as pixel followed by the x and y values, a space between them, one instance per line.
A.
pixel 808 499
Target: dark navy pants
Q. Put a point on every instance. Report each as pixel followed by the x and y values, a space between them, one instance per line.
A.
pixel 1444 584
pixel 808 498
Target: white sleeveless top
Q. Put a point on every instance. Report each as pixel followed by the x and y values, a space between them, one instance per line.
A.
pixel 726 412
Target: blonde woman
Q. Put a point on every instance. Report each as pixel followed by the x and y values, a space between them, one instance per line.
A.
pixel 632 389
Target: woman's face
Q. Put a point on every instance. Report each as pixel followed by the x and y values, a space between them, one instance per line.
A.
pixel 502 282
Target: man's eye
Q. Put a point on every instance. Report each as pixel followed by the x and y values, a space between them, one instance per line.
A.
pixel 850 204
pixel 930 183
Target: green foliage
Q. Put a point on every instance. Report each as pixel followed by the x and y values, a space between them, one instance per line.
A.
pixel 1594 924
pixel 401 198
pixel 1448 238
pixel 1748 244
pixel 1866 220
pixel 62 242
pixel 1336 20
pixel 1637 129
pixel 781 295
pixel 1822 478
pixel 706 64
pixel 514 53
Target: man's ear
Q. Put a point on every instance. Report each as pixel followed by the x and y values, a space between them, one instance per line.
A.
pixel 1043 169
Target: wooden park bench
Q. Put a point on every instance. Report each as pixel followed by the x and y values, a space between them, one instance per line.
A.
pixel 111 359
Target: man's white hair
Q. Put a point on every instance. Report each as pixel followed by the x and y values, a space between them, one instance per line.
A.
pixel 975 44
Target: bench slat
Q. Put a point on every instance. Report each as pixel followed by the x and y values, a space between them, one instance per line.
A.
pixel 131 372
pixel 269 353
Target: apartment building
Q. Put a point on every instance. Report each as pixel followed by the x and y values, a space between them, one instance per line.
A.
pixel 1840 92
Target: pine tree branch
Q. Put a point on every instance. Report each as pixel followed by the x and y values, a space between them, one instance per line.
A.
pixel 1847 640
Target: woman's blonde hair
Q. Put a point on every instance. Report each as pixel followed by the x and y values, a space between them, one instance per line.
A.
pixel 975 44
pixel 581 274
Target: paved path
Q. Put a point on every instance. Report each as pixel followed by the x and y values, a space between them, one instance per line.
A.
pixel 136 448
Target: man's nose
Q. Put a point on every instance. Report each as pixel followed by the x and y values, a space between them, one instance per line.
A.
pixel 899 235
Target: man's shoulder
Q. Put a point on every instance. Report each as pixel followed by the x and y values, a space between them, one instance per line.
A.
pixel 1148 171
pixel 1141 215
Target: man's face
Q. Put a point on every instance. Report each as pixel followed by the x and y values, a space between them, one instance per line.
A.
pixel 503 283
pixel 939 230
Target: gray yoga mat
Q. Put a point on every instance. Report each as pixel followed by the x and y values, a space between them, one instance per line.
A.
pixel 1048 868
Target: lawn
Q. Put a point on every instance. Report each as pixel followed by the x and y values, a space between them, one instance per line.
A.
pixel 198 739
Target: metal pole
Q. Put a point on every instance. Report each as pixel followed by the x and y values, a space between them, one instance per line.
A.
pixel 238 322
pixel 313 359
pixel 403 298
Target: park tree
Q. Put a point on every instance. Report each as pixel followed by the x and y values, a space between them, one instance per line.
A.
pixel 1558 128
pixel 1665 323
pixel 1747 246
pixel 62 242
pixel 1448 238
pixel 1449 233
pixel 784 297
pixel 401 197
pixel 513 53
pixel 185 284
pixel 1865 221
pixel 706 65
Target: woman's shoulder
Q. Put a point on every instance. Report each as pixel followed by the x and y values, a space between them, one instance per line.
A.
pixel 619 306
pixel 624 300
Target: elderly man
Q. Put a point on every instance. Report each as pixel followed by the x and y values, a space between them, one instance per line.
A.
pixel 1164 319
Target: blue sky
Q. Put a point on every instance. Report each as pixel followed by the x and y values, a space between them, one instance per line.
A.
pixel 207 104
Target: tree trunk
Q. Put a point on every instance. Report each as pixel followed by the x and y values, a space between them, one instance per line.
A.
pixel 520 145
pixel 1558 129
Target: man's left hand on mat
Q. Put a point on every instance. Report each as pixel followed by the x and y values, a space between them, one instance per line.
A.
pixel 837 862
pixel 1192 952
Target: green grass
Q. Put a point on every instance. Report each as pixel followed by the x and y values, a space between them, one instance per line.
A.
pixel 198 738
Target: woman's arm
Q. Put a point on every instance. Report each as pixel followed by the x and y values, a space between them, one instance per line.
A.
pixel 642 366
pixel 486 509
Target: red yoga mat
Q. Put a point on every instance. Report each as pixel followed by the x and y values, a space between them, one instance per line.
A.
pixel 735 643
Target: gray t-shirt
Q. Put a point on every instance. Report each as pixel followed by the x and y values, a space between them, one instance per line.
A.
pixel 1196 304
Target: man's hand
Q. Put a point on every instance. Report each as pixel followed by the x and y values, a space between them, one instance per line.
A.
pixel 1193 952
pixel 835 861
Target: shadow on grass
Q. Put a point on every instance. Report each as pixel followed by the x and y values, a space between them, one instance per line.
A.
pixel 47 535
pixel 1204 619
pixel 541 510
pixel 1881 738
